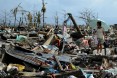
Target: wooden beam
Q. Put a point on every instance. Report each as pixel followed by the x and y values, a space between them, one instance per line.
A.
pixel 49 40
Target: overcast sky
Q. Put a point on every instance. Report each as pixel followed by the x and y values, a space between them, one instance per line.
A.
pixel 105 9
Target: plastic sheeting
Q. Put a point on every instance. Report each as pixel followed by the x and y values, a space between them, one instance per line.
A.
pixel 21 38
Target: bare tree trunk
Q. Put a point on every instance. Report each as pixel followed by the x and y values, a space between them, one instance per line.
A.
pixel 15 22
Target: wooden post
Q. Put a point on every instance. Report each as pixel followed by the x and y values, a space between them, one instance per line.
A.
pixel 58 62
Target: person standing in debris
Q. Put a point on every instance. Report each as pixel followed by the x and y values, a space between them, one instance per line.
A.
pixel 100 37
pixel 85 43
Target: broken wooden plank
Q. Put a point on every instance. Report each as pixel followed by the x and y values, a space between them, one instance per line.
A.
pixel 49 40
pixel 58 62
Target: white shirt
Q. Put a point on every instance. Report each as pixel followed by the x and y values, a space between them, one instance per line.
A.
pixel 99 33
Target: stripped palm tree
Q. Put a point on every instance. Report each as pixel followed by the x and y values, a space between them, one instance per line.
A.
pixel 29 16
pixel 14 11
pixel 38 18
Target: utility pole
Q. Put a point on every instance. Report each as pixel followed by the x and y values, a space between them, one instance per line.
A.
pixel 22 18
pixel 56 19
pixel 64 14
pixel 4 21
pixel 43 10
pixel 5 18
